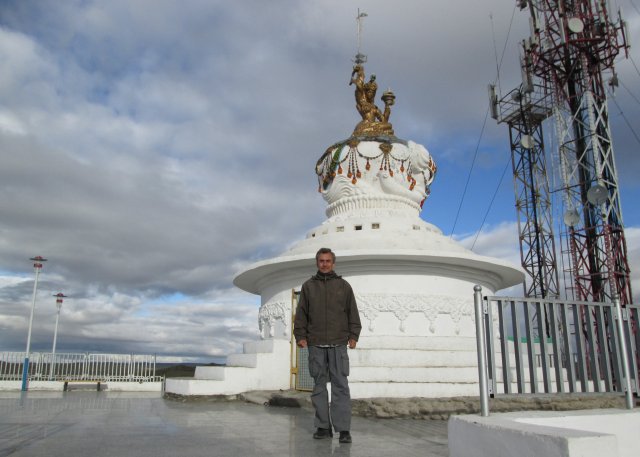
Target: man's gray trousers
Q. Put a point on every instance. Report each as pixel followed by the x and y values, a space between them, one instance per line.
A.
pixel 330 364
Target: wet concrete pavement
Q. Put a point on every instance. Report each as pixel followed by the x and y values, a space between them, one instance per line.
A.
pixel 87 423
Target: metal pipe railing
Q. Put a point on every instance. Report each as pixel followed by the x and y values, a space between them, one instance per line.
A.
pixel 624 354
pixel 482 351
pixel 79 367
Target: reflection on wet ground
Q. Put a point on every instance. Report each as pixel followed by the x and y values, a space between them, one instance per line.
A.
pixel 96 424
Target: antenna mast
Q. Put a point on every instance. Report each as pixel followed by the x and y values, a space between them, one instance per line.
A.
pixel 360 58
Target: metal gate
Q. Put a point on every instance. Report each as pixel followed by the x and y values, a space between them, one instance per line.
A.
pixel 300 377
pixel 543 346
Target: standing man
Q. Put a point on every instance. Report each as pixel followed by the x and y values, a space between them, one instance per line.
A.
pixel 326 321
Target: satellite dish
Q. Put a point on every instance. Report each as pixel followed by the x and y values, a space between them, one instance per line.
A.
pixel 571 217
pixel 526 141
pixel 575 25
pixel 597 194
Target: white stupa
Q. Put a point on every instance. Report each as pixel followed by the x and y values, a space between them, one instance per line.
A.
pixel 414 286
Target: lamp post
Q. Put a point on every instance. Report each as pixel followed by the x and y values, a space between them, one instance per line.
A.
pixel 37 266
pixel 59 297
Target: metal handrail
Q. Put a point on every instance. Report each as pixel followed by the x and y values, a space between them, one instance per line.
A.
pixel 46 366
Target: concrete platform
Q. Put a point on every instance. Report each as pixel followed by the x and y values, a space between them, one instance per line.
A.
pixel 104 424
pixel 586 433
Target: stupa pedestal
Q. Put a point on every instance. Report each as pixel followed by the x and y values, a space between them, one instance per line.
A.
pixel 414 289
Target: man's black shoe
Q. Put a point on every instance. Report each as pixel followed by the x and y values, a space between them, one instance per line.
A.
pixel 345 437
pixel 322 433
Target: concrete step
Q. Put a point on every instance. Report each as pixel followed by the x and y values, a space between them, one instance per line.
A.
pixel 433 343
pixel 243 372
pixel 251 349
pixel 211 373
pixel 192 387
pixel 186 386
pixel 248 357
pixel 411 358
pixel 259 346
pixel 412 389
pixel 242 360
pixel 413 374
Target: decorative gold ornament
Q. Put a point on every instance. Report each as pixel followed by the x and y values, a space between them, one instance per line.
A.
pixel 374 122
pixel 385 147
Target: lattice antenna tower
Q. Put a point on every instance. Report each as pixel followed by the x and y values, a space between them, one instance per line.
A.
pixel 523 110
pixel 572 44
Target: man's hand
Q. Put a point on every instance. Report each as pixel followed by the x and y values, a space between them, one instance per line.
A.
pixel 302 343
pixel 352 343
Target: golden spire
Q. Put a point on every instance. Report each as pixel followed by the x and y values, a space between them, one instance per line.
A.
pixel 374 122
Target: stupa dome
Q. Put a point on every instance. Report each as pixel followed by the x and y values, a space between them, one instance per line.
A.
pixel 373 169
pixel 364 174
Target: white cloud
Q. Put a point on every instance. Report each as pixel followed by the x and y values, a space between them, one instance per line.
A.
pixel 632 236
pixel 501 241
pixel 150 149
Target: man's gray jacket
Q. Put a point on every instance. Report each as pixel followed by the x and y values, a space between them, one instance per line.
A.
pixel 327 312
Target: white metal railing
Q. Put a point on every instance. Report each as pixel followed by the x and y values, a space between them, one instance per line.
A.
pixel 44 366
pixel 535 346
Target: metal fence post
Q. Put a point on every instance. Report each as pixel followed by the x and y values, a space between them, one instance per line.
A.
pixel 482 351
pixel 623 350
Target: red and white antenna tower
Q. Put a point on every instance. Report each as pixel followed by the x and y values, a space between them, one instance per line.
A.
pixel 572 44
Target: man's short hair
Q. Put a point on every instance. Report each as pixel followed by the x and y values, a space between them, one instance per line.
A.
pixel 326 251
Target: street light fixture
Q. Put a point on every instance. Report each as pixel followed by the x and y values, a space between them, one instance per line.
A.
pixel 59 297
pixel 37 266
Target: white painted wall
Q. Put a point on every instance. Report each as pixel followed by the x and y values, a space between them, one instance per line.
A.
pixel 588 433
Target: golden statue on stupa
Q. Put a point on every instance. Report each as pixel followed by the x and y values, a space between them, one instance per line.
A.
pixel 374 122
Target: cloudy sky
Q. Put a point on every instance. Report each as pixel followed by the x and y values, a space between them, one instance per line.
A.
pixel 151 149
